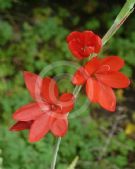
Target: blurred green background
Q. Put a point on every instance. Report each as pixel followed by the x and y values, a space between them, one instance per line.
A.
pixel 32 36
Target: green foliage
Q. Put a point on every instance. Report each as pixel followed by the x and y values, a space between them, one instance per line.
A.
pixel 32 36
pixel 5 4
pixel 6 32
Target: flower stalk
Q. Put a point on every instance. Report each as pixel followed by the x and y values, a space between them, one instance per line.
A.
pixel 126 10
pixel 56 149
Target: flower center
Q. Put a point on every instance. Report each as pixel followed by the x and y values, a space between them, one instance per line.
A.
pixel 54 107
pixel 85 48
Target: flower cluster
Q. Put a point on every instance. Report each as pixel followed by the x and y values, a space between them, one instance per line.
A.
pixel 49 111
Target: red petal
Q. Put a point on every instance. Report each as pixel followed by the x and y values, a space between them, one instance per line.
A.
pixel 87 51
pixel 49 90
pixel 21 125
pixel 76 44
pixel 103 69
pixel 32 82
pixel 92 65
pixel 92 89
pixel 114 79
pixel 59 127
pixel 40 128
pixel 74 35
pixel 107 98
pixel 76 48
pixel 79 77
pixel 115 63
pixel 88 35
pixel 91 39
pixel 98 44
pixel 66 102
pixel 28 112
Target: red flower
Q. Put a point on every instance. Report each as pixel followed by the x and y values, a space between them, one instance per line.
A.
pixel 82 44
pixel 48 112
pixel 100 76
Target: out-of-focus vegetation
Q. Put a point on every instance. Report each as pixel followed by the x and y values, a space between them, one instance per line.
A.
pixel 32 35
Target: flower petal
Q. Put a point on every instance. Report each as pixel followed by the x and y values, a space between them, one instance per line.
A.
pixel 32 82
pixel 49 90
pixel 59 127
pixel 79 77
pixel 87 51
pixel 88 35
pixel 66 102
pixel 114 79
pixel 107 98
pixel 115 63
pixel 74 35
pixel 92 65
pixel 91 39
pixel 75 43
pixel 21 125
pixel 92 89
pixel 40 128
pixel 76 48
pixel 28 112
pixel 98 43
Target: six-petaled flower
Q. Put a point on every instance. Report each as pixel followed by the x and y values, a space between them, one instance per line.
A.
pixel 82 44
pixel 100 76
pixel 47 113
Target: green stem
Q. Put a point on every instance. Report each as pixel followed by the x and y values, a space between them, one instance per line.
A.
pixel 56 149
pixel 121 17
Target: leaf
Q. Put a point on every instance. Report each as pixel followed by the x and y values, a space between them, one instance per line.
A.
pixel 74 163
